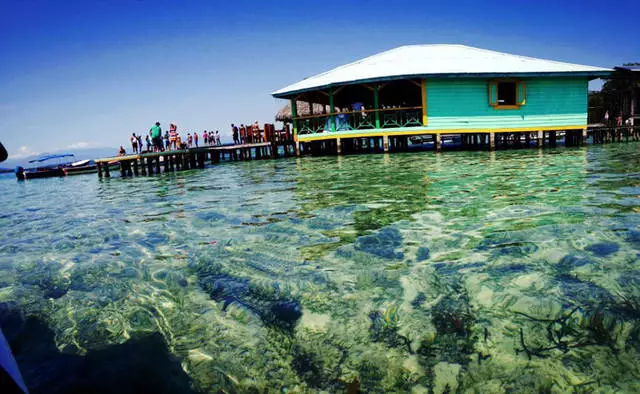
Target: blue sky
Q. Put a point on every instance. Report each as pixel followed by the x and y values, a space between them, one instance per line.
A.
pixel 88 74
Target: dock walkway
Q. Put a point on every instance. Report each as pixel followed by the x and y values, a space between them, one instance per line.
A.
pixel 177 160
pixel 185 159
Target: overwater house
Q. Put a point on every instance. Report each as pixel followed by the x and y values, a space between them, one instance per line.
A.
pixel 437 90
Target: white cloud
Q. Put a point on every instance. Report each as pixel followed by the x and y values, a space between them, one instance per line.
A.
pixel 23 151
pixel 79 145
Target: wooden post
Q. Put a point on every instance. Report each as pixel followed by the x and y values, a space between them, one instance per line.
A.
pixel 297 148
pixel 166 163
pixel 552 138
pixel 135 167
pixel 376 105
pixel 106 171
pixel 99 169
pixel 584 136
pixel 192 159
pixel 122 169
pixel 332 118
pixel 143 167
pixel 540 138
pixel 385 143
pixel 149 166
pixel 436 138
pixel 158 164
pixel 492 141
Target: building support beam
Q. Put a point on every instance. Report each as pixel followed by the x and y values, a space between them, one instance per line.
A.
pixel 584 136
pixel 297 148
pixel 385 143
pixel 338 146
pixel 376 105
pixel 492 141
pixel 437 141
pixel 294 115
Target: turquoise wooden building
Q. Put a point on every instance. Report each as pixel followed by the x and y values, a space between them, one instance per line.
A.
pixel 441 89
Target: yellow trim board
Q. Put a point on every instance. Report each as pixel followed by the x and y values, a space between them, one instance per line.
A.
pixel 420 131
pixel 423 86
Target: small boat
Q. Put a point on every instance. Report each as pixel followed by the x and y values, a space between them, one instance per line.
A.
pixel 81 167
pixel 42 171
pixel 87 167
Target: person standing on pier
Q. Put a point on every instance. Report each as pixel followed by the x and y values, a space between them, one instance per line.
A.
pixel 255 132
pixel 166 140
pixel 148 140
pixel 189 140
pixel 134 143
pixel 218 138
pixel 234 129
pixel 195 138
pixel 139 136
pixel 173 139
pixel 205 137
pixel 156 137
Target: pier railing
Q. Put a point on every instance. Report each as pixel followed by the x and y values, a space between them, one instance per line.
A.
pixel 366 119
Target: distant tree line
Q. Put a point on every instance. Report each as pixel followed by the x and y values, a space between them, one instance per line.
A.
pixel 610 98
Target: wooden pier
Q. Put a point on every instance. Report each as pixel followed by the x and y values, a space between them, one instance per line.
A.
pixel 465 140
pixel 191 158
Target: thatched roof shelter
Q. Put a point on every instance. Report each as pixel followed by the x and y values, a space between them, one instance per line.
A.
pixel 284 115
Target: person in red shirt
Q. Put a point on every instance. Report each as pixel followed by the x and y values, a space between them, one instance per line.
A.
pixel 195 138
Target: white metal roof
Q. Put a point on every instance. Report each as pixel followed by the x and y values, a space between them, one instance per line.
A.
pixel 437 60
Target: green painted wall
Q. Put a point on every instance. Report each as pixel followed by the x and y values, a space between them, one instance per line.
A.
pixel 464 104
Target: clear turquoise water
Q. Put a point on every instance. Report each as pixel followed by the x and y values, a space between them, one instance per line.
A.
pixel 513 271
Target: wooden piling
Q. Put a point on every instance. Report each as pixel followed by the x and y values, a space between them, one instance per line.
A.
pixel 99 165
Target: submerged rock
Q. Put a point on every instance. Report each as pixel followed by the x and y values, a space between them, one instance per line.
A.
pixel 143 364
pixel 382 244
pixel 570 262
pixel 603 249
pixel 422 253
pixel 584 292
pixel 273 309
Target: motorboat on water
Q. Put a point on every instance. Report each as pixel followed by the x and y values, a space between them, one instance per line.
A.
pixel 43 171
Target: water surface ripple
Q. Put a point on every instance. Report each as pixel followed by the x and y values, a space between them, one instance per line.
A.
pixel 514 271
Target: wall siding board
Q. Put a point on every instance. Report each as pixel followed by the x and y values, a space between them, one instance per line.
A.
pixel 464 104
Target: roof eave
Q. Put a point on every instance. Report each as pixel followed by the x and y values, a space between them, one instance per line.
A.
pixel 589 74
